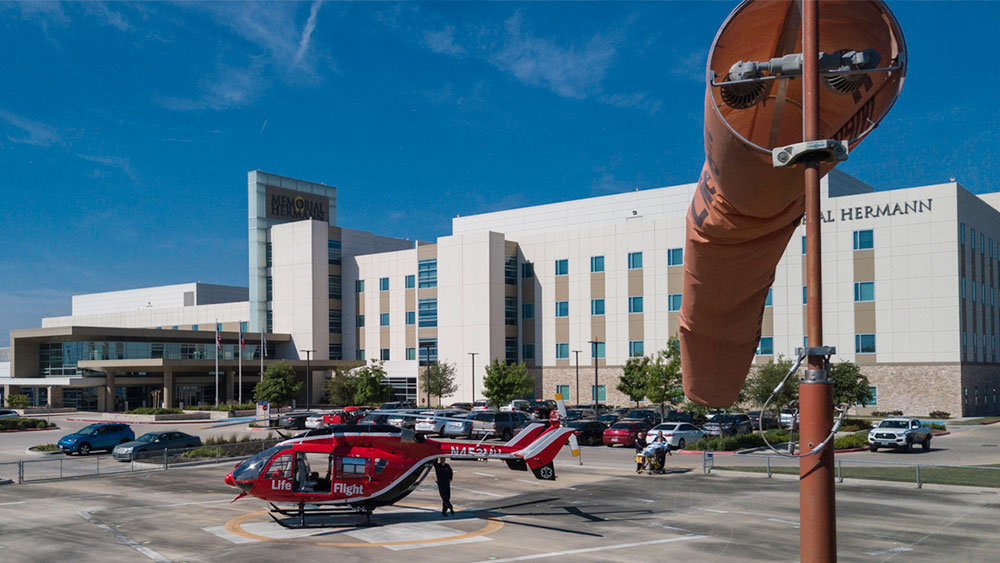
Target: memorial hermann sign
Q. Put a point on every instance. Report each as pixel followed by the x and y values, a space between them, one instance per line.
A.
pixel 288 205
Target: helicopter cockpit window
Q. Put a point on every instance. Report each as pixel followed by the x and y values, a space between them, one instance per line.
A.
pixel 380 465
pixel 351 467
pixel 250 469
pixel 280 468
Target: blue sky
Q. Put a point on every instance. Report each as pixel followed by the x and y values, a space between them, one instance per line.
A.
pixel 126 130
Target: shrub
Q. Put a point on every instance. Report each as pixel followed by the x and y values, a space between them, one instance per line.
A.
pixel 44 448
pixel 154 410
pixel 940 414
pixel 855 440
pixel 887 413
pixel 938 426
pixel 230 408
pixel 232 446
pixel 855 425
pixel 23 423
pixel 18 401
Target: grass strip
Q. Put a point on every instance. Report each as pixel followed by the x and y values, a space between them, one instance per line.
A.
pixel 969 476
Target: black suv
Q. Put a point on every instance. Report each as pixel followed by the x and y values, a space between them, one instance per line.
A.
pixel 496 424
pixel 542 409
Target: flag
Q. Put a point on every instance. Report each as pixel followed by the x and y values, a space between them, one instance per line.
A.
pixel 218 340
pixel 263 344
pixel 243 345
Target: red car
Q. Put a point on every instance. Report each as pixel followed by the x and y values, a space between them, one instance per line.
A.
pixel 625 432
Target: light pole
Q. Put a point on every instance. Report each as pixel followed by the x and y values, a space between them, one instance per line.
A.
pixel 594 344
pixel 308 377
pixel 427 346
pixel 577 353
pixel 473 354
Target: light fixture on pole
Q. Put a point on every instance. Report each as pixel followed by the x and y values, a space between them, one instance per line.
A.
pixel 577 353
pixel 473 354
pixel 308 377
pixel 594 344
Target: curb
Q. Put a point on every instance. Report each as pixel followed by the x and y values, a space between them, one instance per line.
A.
pixel 851 450
pixel 945 433
pixel 31 429
pixel 111 421
pixel 988 423
pixel 29 452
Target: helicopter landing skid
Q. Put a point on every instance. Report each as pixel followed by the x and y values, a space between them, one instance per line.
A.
pixel 301 514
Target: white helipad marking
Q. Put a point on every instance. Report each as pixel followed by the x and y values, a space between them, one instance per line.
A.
pixel 437 544
pixel 593 549
pixel 275 531
pixel 784 521
pixel 893 550
pixel 226 535
pixel 8 503
pixel 710 510
pixel 478 492
pixel 124 539
pixel 528 482
pixel 409 531
pixel 483 474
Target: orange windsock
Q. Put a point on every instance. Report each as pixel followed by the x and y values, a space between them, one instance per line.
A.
pixel 744 209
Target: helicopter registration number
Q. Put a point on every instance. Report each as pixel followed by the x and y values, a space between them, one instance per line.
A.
pixel 477 451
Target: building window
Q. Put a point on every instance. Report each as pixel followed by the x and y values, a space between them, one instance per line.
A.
pixel 428 347
pixel 244 326
pixel 268 288
pixel 383 319
pixel 864 343
pixel 562 267
pixel 194 327
pixel 411 281
pixel 562 350
pixel 335 321
pixel 528 310
pixel 864 291
pixel 674 302
pixel 635 304
pixel 527 270
pixel 973 237
pixel 991 248
pixel 596 307
pixel 982 243
pixel 634 260
pixel 428 312
pixel 675 257
pixel 598 394
pixel 961 233
pixel 510 270
pixel 563 392
pixel 961 288
pixel 218 326
pixel 973 292
pixel 411 353
pixel 384 354
pixel 383 284
pixel 359 286
pixel 766 346
pixel 805 295
pixel 427 273
pixel 267 254
pixel 360 321
pixel 803 245
pixel 769 300
pixel 336 291
pixel 269 316
pixel 597 350
pixel 562 308
pixel 636 349
pixel 333 252
pixel 872 397
pixel 360 355
pixel 510 349
pixel 528 351
pixel 336 351
pixel 864 240
pixel 510 311
pixel 411 317
pixel 596 264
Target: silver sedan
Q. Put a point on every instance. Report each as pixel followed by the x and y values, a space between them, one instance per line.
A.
pixel 677 434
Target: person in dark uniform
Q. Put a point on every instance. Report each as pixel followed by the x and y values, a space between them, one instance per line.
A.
pixel 444 474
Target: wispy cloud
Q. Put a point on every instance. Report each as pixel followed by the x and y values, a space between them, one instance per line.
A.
pixel 443 41
pixel 229 88
pixel 120 163
pixel 107 16
pixel 307 31
pixel 33 132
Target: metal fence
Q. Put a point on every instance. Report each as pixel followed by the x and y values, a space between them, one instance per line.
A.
pixel 59 466
pixel 917 473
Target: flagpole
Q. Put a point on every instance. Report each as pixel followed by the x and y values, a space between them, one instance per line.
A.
pixel 263 351
pixel 217 335
pixel 239 350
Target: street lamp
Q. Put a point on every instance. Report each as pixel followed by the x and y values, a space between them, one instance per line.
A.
pixel 308 377
pixel 594 344
pixel 577 353
pixel 473 354
pixel 427 346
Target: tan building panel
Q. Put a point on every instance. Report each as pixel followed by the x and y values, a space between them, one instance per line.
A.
pixel 675 279
pixel 673 324
pixel 426 251
pixel 562 288
pixel 562 330
pixel 635 283
pixel 427 293
pixel 334 233
pixel 383 301
pixel 411 336
pixel 510 247
pixel 866 360
pixel 597 289
pixel 864 265
pixel 598 329
pixel 427 332
pixel 767 322
pixel 361 339
pixel 383 337
pixel 410 300
pixel 636 327
pixel 336 338
pixel 864 318
pixel 510 290
pixel 510 331
pixel 335 304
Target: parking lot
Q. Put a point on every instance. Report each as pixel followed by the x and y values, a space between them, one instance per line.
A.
pixel 601 511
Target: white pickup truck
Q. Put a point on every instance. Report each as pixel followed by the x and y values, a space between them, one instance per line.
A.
pixel 899 432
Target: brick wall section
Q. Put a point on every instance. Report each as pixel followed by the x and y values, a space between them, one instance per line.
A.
pixel 545 384
pixel 916 390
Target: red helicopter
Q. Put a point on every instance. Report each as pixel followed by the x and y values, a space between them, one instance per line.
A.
pixel 356 468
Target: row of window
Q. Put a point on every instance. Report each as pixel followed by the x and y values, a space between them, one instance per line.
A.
pixel 983 292
pixel 427 309
pixel 675 257
pixel 425 277
pixel 984 246
pixel 863 344
pixel 863 240
pixel 597 393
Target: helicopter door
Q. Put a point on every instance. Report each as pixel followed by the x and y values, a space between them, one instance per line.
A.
pixel 312 473
pixel 279 473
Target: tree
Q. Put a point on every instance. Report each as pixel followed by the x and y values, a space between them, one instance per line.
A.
pixel 441 381
pixel 278 385
pixel 850 386
pixel 341 389
pixel 634 378
pixel 765 377
pixel 371 387
pixel 18 401
pixel 505 382
pixel 663 380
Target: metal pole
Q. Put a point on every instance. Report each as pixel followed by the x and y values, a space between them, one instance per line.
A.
pixel 919 484
pixel 217 335
pixel 308 354
pixel 577 353
pixel 428 374
pixel 473 354
pixel 818 540
pixel 594 344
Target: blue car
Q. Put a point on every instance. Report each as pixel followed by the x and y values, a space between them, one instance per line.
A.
pixel 96 437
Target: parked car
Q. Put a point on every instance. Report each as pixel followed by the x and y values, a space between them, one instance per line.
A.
pixel 677 434
pixel 102 436
pixel 375 418
pixel 461 406
pixel 728 424
pixel 543 408
pixel 517 405
pixel 609 418
pixel 496 424
pixel 899 432
pixel 433 422
pixel 294 420
pixel 403 419
pixel 769 420
pixel 786 416
pixel 315 420
pixel 649 416
pixel 580 414
pixel 8 413
pixel 150 443
pixel 624 432
pixel 395 405
pixel 588 432
pixel 458 426
pixel 679 416
pixel 482 406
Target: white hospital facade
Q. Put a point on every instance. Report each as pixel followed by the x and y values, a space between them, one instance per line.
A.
pixel 910 294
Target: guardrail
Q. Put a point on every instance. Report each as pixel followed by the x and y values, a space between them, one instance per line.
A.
pixel 918 473
pixel 76 466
